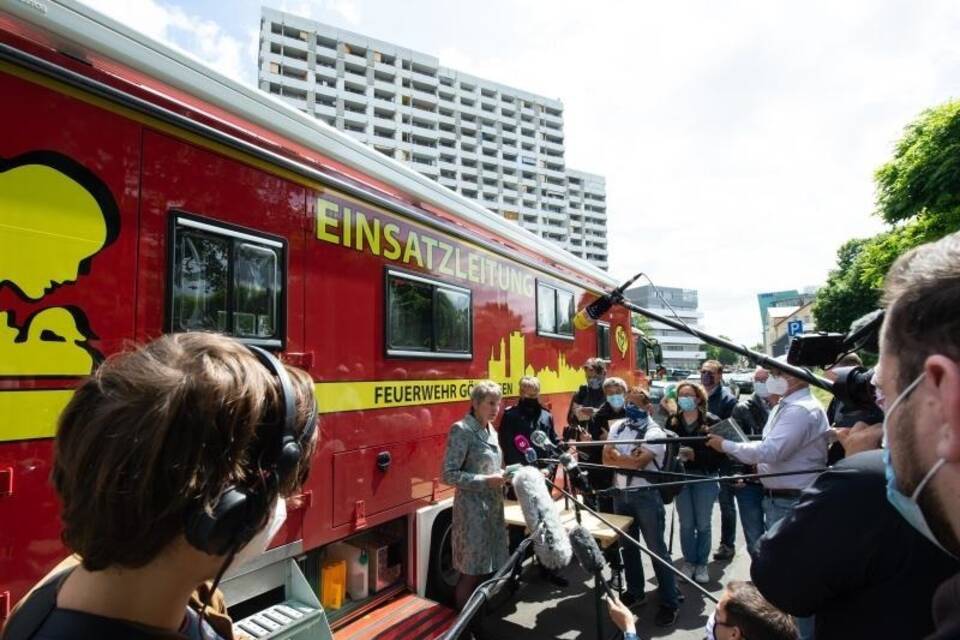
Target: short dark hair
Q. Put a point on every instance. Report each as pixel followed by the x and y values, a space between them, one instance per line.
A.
pixel 159 429
pixel 756 618
pixel 922 296
pixel 714 364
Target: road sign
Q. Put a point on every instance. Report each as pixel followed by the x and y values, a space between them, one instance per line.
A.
pixel 794 328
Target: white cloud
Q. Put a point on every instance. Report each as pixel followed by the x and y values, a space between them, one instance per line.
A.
pixel 190 32
pixel 738 138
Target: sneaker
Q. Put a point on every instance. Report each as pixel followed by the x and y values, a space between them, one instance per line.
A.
pixel 666 616
pixel 700 575
pixel 687 569
pixel 632 599
pixel 725 552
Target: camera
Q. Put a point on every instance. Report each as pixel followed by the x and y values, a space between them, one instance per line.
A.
pixel 853 387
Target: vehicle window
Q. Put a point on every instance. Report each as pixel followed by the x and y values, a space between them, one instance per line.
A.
pixel 227 281
pixel 603 341
pixel 641 354
pixel 555 310
pixel 427 318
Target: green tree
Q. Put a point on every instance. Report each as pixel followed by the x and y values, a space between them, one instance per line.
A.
pixel 721 355
pixel 918 195
pixel 642 323
pixel 846 296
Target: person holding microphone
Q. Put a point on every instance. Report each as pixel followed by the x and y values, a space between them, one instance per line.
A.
pixel 473 464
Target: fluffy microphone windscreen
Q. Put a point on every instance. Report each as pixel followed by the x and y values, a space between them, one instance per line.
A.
pixel 588 554
pixel 551 543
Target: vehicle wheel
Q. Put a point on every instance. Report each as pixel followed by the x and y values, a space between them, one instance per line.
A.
pixel 441 576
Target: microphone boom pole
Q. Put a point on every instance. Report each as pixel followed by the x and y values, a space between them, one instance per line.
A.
pixel 595 309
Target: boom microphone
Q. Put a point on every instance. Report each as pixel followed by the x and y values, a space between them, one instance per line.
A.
pixel 593 311
pixel 540 439
pixel 588 555
pixel 552 545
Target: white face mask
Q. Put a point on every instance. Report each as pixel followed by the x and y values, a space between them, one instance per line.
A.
pixel 777 385
pixel 261 541
pixel 760 388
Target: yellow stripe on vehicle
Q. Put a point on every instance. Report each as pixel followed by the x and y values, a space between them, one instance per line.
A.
pixel 30 415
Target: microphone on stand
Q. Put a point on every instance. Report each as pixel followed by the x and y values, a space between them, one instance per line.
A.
pixel 589 556
pixel 593 311
pixel 552 546
pixel 570 465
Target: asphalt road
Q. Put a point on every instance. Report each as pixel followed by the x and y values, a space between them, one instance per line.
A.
pixel 541 611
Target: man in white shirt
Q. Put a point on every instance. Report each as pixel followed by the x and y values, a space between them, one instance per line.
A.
pixel 644 505
pixel 795 437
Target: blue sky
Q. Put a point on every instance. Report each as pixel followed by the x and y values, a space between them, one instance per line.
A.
pixel 738 139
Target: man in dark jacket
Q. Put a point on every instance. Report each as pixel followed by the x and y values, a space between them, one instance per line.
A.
pixel 751 414
pixel 527 416
pixel 879 587
pixel 588 398
pixel 918 380
pixel 721 403
pixel 521 420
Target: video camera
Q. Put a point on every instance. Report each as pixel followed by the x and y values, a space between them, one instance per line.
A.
pixel 854 386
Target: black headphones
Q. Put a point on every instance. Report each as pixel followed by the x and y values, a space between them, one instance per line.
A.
pixel 238 514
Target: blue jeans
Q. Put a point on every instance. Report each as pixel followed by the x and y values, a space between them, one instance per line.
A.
pixel 775 510
pixel 649 520
pixel 728 516
pixel 695 507
pixel 750 503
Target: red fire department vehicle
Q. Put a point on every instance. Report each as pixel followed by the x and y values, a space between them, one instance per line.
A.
pixel 142 193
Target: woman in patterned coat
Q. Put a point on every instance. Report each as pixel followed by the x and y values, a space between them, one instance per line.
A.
pixel 472 463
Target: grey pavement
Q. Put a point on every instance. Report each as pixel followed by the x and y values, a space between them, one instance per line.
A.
pixel 541 611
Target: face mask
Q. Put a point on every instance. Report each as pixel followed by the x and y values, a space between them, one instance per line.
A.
pixel 760 388
pixel 687 403
pixel 708 379
pixel 777 385
pixel 529 405
pixel 261 541
pixel 616 401
pixel 907 506
pixel 710 629
pixel 635 413
pixel 595 382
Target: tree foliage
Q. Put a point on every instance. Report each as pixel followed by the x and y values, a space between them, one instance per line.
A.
pixel 721 355
pixel 918 195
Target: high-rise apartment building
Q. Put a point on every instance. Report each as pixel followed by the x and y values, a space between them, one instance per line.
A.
pixel 498 145
pixel 680 349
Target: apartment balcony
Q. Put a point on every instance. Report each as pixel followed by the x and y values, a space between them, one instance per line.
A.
pixel 427 132
pixel 387 141
pixel 423 96
pixel 356 118
pixel 355 59
pixel 424 78
pixel 383 85
pixel 292 43
pixel 446 135
pixel 299 103
pixel 386 68
pixel 552 146
pixel 424 150
pixel 468 155
pixel 450 183
pixel 325 110
pixel 355 78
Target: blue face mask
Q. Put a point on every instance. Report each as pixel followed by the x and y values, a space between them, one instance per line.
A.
pixel 616 401
pixel 907 506
pixel 635 413
pixel 595 382
pixel 686 403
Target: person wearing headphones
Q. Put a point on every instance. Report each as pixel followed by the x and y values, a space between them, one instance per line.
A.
pixel 172 463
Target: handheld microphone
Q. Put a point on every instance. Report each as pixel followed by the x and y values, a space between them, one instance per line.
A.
pixel 577 475
pixel 588 555
pixel 593 311
pixel 552 545
pixel 530 455
pixel 521 443
pixel 540 439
